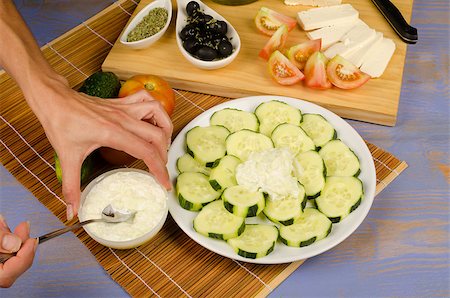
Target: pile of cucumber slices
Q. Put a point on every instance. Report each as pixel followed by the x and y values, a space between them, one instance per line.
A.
pixel 326 169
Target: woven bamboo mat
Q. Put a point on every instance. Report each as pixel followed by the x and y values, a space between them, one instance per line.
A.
pixel 171 265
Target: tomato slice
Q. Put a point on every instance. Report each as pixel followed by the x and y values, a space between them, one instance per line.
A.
pixel 276 42
pixel 283 71
pixel 343 74
pixel 316 72
pixel 268 21
pixel 300 53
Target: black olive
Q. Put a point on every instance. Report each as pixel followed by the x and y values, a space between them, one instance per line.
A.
pixel 191 7
pixel 208 18
pixel 206 53
pixel 188 31
pixel 191 45
pixel 197 17
pixel 225 48
pixel 221 27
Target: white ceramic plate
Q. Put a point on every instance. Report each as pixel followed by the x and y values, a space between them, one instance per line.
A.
pixel 282 253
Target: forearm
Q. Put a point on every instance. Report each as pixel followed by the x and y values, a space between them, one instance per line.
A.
pixel 21 57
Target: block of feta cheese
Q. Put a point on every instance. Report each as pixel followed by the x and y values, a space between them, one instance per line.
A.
pixel 358 36
pixel 357 57
pixel 313 2
pixel 319 17
pixel 331 34
pixel 378 57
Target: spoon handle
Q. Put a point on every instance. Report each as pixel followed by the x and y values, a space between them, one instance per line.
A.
pixel 6 256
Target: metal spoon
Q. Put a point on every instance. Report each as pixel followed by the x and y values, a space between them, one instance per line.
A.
pixel 109 214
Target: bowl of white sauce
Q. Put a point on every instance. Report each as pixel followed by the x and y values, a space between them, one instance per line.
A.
pixel 125 189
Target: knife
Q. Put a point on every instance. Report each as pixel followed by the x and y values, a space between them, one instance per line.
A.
pixel 391 13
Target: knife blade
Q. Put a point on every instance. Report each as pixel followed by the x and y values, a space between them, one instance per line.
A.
pixel 395 18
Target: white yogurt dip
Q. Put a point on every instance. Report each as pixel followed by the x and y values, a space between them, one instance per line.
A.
pixel 125 190
pixel 270 171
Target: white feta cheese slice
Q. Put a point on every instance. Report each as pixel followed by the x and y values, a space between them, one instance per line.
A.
pixel 331 34
pixel 357 57
pixel 313 2
pixel 315 18
pixel 353 40
pixel 378 57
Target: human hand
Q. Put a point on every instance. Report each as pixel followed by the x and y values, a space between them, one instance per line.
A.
pixel 76 124
pixel 19 242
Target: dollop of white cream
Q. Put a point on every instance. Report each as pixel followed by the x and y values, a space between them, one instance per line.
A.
pixel 270 171
pixel 132 191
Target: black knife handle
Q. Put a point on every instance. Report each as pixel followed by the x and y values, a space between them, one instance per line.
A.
pixel 395 18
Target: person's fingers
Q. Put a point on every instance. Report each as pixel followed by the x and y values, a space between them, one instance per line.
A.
pixel 140 96
pixel 9 242
pixel 16 266
pixel 23 230
pixel 141 149
pixel 71 169
pixel 149 133
pixel 3 225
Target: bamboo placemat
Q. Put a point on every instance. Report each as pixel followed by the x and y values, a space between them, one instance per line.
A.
pixel 172 264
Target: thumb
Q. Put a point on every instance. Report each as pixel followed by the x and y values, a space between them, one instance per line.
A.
pixel 71 171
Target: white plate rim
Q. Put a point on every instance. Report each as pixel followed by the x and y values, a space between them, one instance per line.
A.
pixel 282 253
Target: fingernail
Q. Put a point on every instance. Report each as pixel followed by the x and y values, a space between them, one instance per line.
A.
pixel 69 212
pixel 11 243
pixel 3 221
pixel 28 226
pixel 36 244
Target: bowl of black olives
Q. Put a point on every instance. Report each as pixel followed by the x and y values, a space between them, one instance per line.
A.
pixel 204 37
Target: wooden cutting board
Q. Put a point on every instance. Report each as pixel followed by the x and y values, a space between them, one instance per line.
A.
pixel 377 101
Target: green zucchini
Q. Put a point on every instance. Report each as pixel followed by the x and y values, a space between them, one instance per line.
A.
pixel 194 191
pixel 223 172
pixel 242 201
pixel 244 142
pixel 318 129
pixel 215 221
pixel 207 144
pixel 291 136
pixel 256 241
pixel 339 197
pixel 339 159
pixel 273 113
pixel 235 120
pixel 308 228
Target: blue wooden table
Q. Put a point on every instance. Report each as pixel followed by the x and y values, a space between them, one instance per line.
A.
pixel 402 247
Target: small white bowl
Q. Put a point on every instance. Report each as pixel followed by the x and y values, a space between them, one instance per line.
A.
pixel 232 35
pixel 127 243
pixel 146 42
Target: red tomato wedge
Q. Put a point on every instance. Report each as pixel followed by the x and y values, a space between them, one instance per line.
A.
pixel 300 53
pixel 343 74
pixel 283 71
pixel 316 72
pixel 276 42
pixel 268 21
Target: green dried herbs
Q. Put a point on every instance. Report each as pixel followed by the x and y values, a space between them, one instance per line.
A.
pixel 150 24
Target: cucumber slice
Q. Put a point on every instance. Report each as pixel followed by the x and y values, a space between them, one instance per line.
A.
pixel 244 142
pixel 207 144
pixel 223 172
pixel 339 159
pixel 242 201
pixel 310 172
pixel 194 191
pixel 339 197
pixel 318 129
pixel 255 242
pixel 293 137
pixel 235 120
pixel 310 227
pixel 216 222
pixel 286 210
pixel 272 113
pixel 186 163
